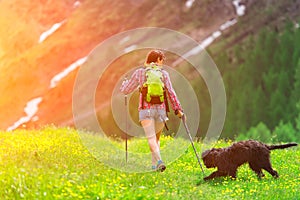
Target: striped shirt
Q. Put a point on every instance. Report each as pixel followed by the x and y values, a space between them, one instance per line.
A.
pixel 138 78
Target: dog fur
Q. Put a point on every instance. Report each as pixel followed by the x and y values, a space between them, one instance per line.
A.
pixel 227 160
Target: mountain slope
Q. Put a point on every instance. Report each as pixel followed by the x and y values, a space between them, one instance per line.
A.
pixel 27 66
pixel 26 70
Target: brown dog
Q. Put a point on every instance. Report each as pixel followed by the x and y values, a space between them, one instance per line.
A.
pixel 227 160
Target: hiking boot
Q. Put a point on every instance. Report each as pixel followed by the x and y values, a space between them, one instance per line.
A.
pixel 161 166
pixel 153 167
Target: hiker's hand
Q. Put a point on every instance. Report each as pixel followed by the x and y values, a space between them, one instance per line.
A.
pixel 179 113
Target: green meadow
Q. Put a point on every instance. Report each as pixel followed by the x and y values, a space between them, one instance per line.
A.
pixel 52 163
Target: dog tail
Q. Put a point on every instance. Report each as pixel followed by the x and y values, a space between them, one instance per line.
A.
pixel 282 146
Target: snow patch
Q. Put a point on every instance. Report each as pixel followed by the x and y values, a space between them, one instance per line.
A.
pixel 210 39
pixel 240 8
pixel 30 110
pixel 124 40
pixel 205 43
pixel 130 48
pixel 227 24
pixel 49 32
pixel 64 73
pixel 189 3
pixel 76 4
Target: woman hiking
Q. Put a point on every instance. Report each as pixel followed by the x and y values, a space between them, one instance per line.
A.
pixel 153 106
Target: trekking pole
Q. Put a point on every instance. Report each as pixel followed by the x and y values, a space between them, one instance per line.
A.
pixel 126 125
pixel 191 140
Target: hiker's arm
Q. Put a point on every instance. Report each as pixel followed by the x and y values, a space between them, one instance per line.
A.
pixel 176 106
pixel 130 85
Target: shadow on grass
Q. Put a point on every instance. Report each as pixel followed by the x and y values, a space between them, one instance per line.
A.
pixel 222 180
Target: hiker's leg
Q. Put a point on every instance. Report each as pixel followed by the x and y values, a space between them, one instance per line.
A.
pixel 149 128
pixel 159 126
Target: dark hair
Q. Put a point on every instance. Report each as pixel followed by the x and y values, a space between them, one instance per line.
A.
pixel 154 55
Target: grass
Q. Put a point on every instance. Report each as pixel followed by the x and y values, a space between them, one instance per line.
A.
pixel 52 163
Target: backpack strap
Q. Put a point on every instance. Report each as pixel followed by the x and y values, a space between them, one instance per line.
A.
pixel 143 97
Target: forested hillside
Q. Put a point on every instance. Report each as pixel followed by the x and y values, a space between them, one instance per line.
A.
pixel 263 83
pixel 261 74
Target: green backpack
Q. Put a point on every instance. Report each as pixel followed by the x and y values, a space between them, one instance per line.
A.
pixel 153 88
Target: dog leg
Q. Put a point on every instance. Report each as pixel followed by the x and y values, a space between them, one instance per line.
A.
pixel 232 173
pixel 260 174
pixel 268 167
pixel 257 170
pixel 271 171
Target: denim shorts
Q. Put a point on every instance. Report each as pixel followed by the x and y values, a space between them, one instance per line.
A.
pixel 159 115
